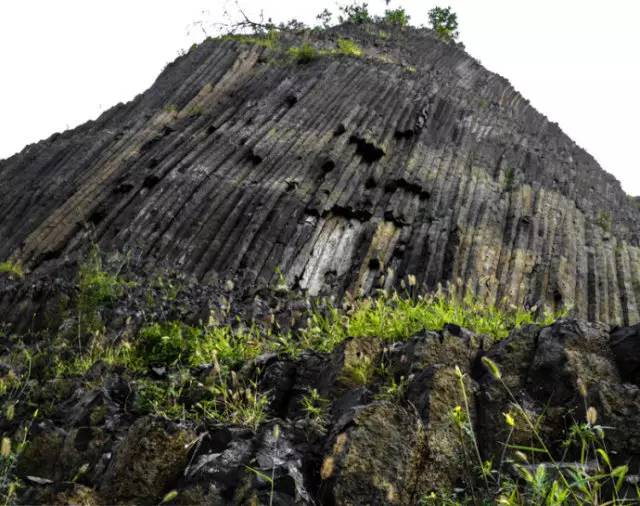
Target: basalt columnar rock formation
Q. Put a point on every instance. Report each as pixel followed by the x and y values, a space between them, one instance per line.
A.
pixel 346 173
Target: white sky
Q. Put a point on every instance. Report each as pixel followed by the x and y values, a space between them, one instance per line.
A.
pixel 63 62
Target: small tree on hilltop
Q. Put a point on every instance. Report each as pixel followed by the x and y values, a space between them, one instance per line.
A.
pixel 444 22
pixel 355 13
pixel 397 17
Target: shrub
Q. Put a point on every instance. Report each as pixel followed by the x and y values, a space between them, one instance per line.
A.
pixel 304 54
pixel 349 48
pixel 355 13
pixel 445 23
pixel 325 18
pixel 397 17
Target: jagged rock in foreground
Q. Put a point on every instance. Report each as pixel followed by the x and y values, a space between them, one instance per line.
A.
pixel 93 446
pixel 346 173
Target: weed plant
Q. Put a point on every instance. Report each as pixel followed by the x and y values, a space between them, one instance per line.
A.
pixel 396 318
pixel 13 269
pixel 97 289
pixel 347 47
pixel 304 54
pixel 541 477
pixel 270 39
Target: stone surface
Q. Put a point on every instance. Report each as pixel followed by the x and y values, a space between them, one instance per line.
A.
pixel 346 173
pixel 625 343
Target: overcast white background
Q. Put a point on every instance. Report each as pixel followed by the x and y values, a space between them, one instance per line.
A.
pixel 64 62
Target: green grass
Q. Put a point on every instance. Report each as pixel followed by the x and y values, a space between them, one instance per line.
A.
pixel 97 289
pixel 13 269
pixel 174 342
pixel 396 318
pixel 347 47
pixel 304 54
pixel 269 40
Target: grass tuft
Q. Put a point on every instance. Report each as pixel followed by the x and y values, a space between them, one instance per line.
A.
pixel 396 318
pixel 304 54
pixel 347 47
pixel 13 269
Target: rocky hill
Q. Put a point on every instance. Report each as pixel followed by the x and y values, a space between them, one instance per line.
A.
pixel 347 172
pixel 230 290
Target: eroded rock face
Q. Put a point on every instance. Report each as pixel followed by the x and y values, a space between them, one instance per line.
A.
pixel 347 173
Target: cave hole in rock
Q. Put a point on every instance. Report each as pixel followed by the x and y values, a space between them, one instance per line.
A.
pixel 404 134
pixel 340 129
pixel 123 188
pixel 291 100
pixel 149 144
pixel 368 151
pixel 254 158
pixel 328 166
pixel 97 216
pixel 291 185
pixel 150 181
pixel 370 183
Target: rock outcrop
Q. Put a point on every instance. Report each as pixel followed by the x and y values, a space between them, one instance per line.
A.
pixel 345 173
pixel 368 445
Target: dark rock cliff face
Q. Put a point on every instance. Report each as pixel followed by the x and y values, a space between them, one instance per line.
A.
pixel 346 173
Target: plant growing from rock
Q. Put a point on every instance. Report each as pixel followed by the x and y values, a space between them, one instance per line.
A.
pixel 358 371
pixel 97 288
pixel 604 221
pixel 13 269
pixel 347 47
pixel 9 455
pixel 304 54
pixel 540 477
pixel 315 407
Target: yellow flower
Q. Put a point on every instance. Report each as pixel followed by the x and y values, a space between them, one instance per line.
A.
pixel 509 419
